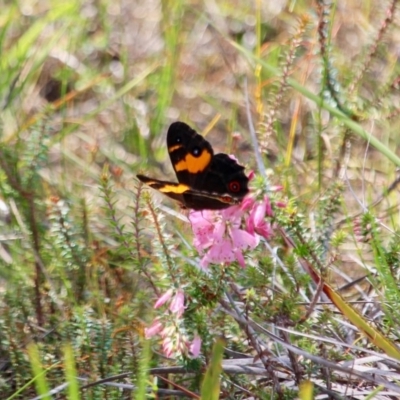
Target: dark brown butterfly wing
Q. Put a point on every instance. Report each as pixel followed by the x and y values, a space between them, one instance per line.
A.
pixel 206 181
pixel 196 165
pixel 190 153
pixel 171 189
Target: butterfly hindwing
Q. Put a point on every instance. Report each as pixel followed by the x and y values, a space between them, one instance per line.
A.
pixel 171 189
pixel 206 181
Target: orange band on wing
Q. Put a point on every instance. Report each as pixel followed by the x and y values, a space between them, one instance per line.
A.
pixel 194 164
pixel 173 148
pixel 178 189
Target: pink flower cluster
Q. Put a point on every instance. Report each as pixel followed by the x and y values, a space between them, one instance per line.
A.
pixel 173 340
pixel 222 236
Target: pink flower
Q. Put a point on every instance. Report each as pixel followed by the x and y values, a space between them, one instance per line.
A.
pixel 219 235
pixel 251 175
pixel 195 346
pixel 164 298
pixel 247 203
pixel 177 305
pixel 222 236
pixel 256 222
pixel 155 328
pixel 168 346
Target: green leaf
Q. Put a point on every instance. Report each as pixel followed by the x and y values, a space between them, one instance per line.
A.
pixel 211 383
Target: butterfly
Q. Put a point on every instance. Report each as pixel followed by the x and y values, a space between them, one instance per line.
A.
pixel 207 181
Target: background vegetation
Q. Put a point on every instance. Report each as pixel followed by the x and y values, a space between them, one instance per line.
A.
pixel 87 91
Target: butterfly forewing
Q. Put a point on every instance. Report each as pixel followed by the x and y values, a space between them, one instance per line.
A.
pixel 190 154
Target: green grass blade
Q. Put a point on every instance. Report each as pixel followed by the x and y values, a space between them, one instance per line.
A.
pixel 39 372
pixel 71 374
pixel 211 383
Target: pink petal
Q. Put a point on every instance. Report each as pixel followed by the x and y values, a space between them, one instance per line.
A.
pixel 232 214
pixel 268 207
pixel 203 225
pixel 200 220
pixel 264 230
pixel 221 252
pixel 202 242
pixel 259 213
pixel 205 262
pixel 163 299
pixel 240 258
pixel 195 346
pixel 233 157
pixel 243 239
pixel 247 203
pixel 219 230
pixel 250 224
pixel 251 175
pixel 168 346
pixel 218 253
pixel 199 217
pixel 153 330
pixel 178 303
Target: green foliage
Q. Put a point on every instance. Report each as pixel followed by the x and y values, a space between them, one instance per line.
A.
pixel 86 93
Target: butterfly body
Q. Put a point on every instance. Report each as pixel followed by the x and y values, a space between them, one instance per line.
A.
pixel 206 180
